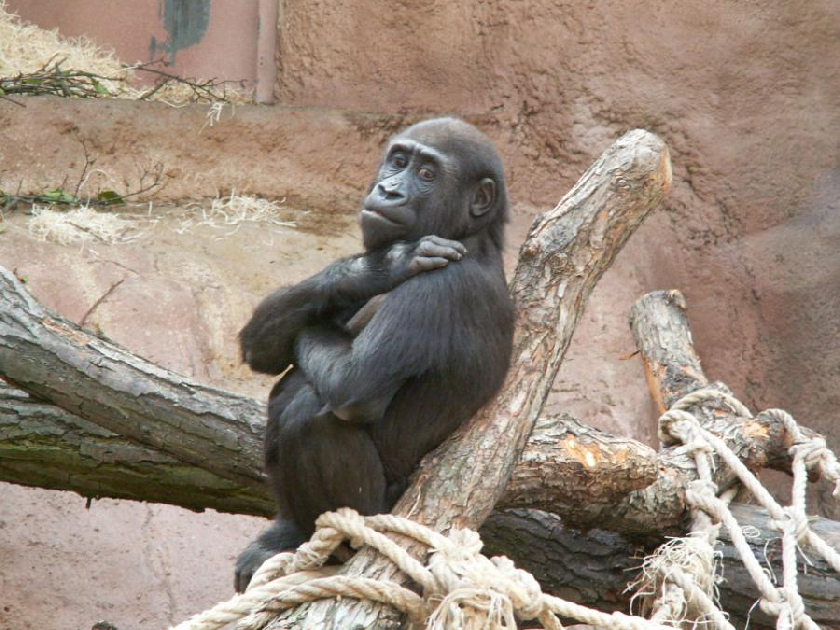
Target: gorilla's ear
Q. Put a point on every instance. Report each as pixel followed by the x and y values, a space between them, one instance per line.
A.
pixel 483 198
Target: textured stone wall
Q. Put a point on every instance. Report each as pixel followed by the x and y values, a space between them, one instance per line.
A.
pixel 745 94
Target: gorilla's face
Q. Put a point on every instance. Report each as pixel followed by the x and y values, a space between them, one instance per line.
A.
pixel 433 180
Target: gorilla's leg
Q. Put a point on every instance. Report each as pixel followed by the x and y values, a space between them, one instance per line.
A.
pixel 315 463
pixel 281 535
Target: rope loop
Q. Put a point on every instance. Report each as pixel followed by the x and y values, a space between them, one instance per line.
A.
pixel 794 522
pixel 817 456
pixel 778 604
pixel 347 521
pixel 677 426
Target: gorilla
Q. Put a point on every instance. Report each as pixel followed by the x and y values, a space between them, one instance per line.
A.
pixel 391 349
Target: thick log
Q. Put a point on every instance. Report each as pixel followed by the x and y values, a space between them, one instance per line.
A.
pixel 594 568
pixel 566 464
pixel 45 446
pixel 560 262
pixel 660 506
pixel 95 379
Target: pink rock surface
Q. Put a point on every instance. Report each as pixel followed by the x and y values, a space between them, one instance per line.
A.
pixel 744 94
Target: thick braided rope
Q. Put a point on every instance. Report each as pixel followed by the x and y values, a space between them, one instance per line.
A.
pixel 460 586
pixel 784 602
pixel 357 587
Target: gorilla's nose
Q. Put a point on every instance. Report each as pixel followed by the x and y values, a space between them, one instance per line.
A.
pixel 391 192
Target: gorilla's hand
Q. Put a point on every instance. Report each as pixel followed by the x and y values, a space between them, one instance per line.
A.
pixel 430 252
pixel 363 316
pixel 406 260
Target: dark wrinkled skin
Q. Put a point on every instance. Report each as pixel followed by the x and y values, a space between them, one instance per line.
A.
pixel 394 348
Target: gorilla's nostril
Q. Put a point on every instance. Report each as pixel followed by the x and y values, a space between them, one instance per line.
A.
pixel 389 192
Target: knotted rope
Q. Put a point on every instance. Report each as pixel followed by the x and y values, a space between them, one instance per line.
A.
pixel 461 589
pixel 689 567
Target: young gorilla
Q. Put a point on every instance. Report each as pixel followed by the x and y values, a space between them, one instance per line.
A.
pixel 393 349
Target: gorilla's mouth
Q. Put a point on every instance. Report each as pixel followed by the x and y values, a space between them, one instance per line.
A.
pixel 373 212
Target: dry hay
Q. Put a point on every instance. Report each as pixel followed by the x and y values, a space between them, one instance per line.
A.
pixel 234 210
pixel 85 224
pixel 81 225
pixel 27 49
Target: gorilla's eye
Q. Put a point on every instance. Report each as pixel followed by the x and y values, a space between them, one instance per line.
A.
pixel 399 160
pixel 426 174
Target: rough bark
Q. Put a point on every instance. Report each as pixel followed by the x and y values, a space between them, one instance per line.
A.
pixel 594 568
pixel 560 262
pixel 672 367
pixel 95 379
pixel 45 446
pixel 48 447
pixel 566 463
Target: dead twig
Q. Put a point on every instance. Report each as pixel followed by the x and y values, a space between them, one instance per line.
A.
pixel 99 301
pixel 203 90
pixel 149 178
pixel 52 79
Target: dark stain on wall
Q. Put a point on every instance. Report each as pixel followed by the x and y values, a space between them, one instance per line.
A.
pixel 186 23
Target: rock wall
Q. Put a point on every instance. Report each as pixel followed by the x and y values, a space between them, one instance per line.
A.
pixel 745 94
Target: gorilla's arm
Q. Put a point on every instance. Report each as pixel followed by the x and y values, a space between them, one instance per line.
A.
pixel 324 349
pixel 267 341
pixel 421 325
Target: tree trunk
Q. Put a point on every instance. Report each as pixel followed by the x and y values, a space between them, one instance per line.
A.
pixel 95 379
pixel 48 447
pixel 45 446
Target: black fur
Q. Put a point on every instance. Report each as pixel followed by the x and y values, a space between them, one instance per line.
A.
pixel 369 396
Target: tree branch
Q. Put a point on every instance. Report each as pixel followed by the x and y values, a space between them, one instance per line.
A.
pixel 97 380
pixel 45 446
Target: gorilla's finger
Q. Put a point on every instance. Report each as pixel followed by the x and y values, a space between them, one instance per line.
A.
pixel 445 242
pixel 441 251
pixel 427 263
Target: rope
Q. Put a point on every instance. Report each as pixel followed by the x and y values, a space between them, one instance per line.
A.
pixel 461 589
pixel 464 590
pixel 785 603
